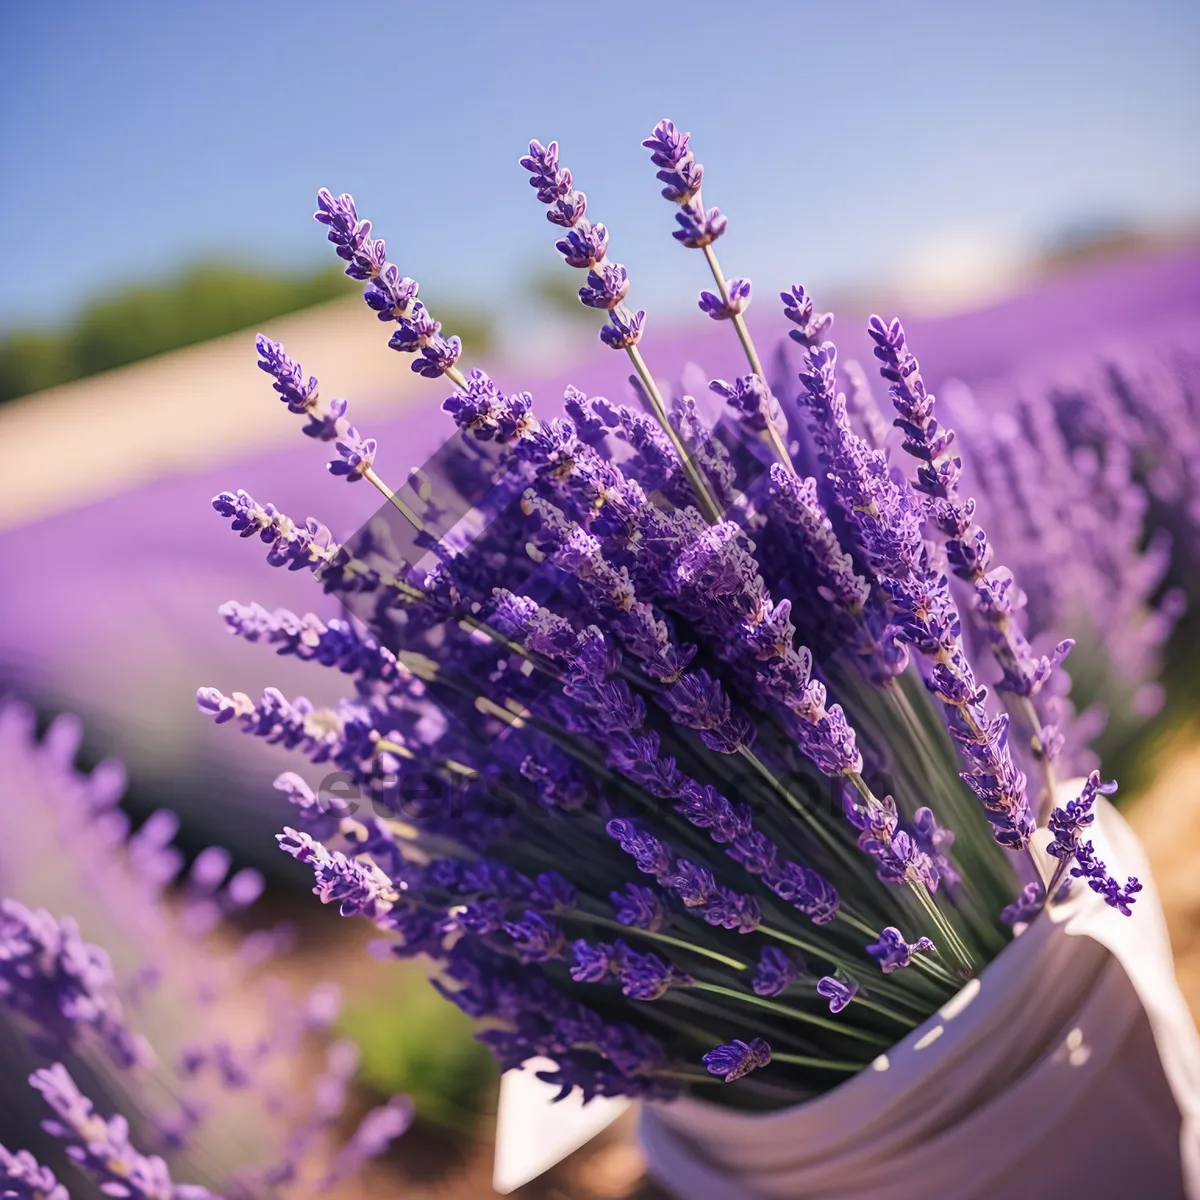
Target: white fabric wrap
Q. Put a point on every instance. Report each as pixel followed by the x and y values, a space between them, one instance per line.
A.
pixel 1071 1067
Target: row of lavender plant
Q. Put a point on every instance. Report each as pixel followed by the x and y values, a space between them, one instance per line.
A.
pixel 1088 468
pixel 167 1057
pixel 671 756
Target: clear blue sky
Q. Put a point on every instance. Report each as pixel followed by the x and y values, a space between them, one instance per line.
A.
pixel 838 136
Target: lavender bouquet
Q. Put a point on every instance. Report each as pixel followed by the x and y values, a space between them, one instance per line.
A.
pixel 665 742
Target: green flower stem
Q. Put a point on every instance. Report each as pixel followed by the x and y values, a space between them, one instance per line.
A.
pixel 936 970
pixel 804 1060
pixel 884 986
pixel 795 1013
pixel 883 1010
pixel 921 891
pixel 832 843
pixel 708 503
pixel 739 324
pixel 403 509
pixel 935 914
pixel 666 939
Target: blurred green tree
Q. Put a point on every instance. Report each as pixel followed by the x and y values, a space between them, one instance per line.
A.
pixel 203 301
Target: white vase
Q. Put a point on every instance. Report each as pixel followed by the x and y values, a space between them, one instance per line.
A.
pixel 1070 1067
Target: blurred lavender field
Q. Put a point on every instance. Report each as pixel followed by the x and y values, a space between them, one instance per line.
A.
pixel 110 609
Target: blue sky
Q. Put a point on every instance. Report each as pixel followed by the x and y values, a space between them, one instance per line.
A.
pixel 844 140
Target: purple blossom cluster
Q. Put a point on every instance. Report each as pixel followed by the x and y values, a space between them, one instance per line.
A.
pixel 584 245
pixel 996 600
pixel 65 1002
pixel 391 296
pixel 1085 469
pixel 1068 824
pixel 660 683
pixel 886 521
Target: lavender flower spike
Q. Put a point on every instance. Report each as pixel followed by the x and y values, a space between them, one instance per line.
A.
pixel 837 992
pixel 737 1058
pixel 1068 824
pixel 732 304
pixel 683 175
pixel 64 986
pixel 356 455
pixel 887 518
pixel 22 1177
pixel 585 246
pixel 893 953
pixel 967 548
pixel 699 228
pixel 391 296
pixel 325 421
pixel 102 1148
pixel 775 973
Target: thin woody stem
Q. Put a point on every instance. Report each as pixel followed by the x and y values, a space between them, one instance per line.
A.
pixel 796 1013
pixel 743 333
pixel 666 939
pixel 708 503
pixel 401 507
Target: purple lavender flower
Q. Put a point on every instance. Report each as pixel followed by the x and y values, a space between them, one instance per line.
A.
pixel 374 1135
pixel 1026 906
pixel 699 226
pixel 1089 866
pixel 325 419
pixel 356 455
pixel 298 395
pixel 838 992
pixel 391 296
pixel 699 702
pixel 736 1058
pixel 22 1177
pixel 534 938
pixel 1069 821
pixel 624 330
pixel 64 991
pixel 679 169
pixel 813 326
pixel 639 907
pixel 1068 824
pixel 721 309
pixel 64 986
pixel 358 888
pixel 749 397
pixel 651 856
pixel 349 235
pixel 102 1148
pixel 606 288
pixel 592 962
pixel 886 518
pixel 798 505
pixel 646 976
pixel 552 892
pixel 542 164
pixel 775 972
pixel 967 549
pixel 892 952
pixel 584 245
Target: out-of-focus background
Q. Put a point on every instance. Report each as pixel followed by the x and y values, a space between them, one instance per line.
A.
pixel 1020 182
